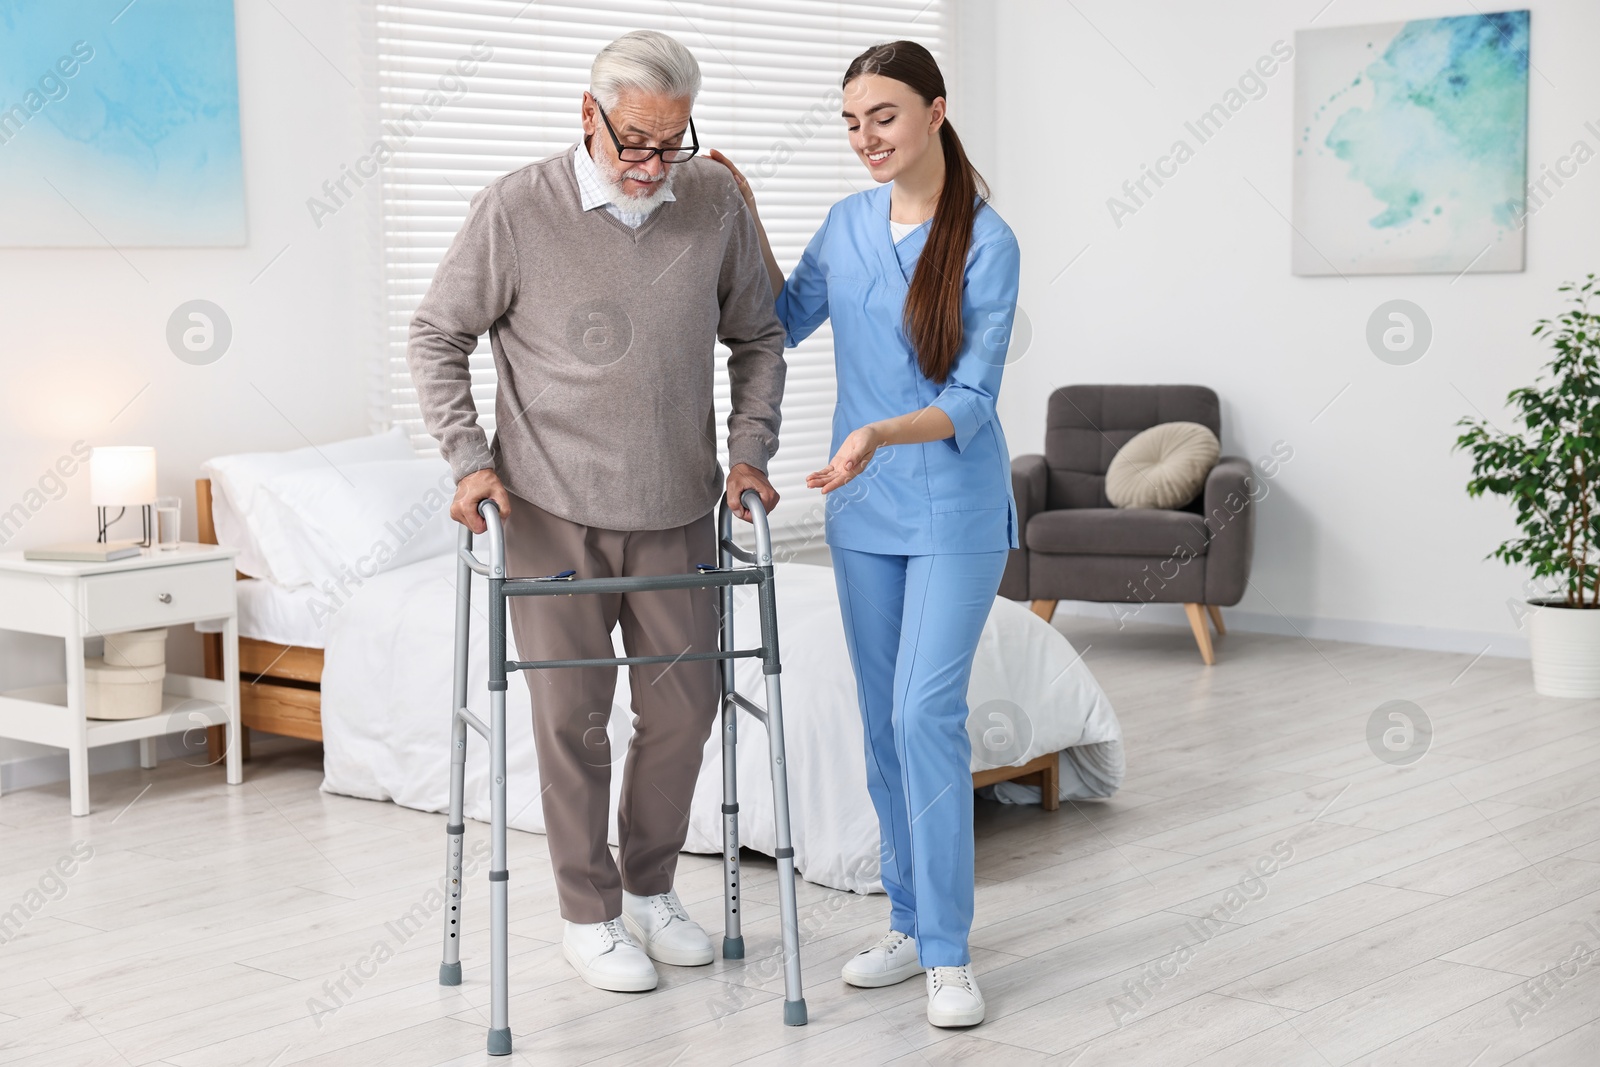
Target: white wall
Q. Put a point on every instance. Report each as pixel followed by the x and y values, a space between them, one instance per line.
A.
pixel 1368 532
pixel 84 356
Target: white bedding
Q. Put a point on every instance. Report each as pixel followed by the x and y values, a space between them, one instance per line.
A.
pixel 386 699
pixel 269 612
pixel 284 616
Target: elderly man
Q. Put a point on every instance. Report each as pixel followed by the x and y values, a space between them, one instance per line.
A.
pixel 604 276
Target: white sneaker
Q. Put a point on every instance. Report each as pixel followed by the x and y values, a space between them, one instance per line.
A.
pixel 891 960
pixel 608 957
pixel 953 997
pixel 664 928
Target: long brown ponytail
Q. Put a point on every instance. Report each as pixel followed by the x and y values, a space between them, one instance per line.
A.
pixel 933 304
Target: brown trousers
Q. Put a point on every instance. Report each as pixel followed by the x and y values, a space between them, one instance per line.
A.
pixel 675 705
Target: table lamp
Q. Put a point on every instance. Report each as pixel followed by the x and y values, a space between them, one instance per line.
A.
pixel 122 476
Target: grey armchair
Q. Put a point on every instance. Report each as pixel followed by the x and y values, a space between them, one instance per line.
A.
pixel 1076 546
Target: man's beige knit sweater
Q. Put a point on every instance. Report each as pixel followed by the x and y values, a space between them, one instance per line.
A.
pixel 604 342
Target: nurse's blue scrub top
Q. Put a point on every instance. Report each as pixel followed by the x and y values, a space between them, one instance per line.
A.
pixel 952 495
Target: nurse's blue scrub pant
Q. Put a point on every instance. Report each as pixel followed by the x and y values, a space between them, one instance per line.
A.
pixel 912 625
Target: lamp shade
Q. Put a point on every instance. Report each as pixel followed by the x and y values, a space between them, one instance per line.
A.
pixel 122 476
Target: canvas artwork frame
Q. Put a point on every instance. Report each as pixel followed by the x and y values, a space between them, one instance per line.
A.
pixel 1411 146
pixel 119 125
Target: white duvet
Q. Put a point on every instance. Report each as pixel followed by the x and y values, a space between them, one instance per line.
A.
pixel 386 717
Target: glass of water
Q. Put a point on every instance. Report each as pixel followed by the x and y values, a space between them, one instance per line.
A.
pixel 169 510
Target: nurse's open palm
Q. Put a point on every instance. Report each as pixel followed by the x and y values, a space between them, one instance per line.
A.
pixel 852 458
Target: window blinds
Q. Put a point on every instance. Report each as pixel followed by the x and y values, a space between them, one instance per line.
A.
pixel 769 100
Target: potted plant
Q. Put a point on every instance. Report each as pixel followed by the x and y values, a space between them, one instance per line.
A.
pixel 1551 473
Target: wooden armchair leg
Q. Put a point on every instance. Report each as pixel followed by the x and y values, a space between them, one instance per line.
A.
pixel 1045 609
pixel 1202 633
pixel 1216 619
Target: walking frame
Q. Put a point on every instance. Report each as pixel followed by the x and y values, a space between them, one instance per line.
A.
pixel 725 576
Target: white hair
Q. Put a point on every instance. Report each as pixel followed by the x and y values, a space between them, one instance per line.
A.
pixel 647 61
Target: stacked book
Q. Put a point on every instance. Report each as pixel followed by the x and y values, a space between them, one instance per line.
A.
pixel 85 551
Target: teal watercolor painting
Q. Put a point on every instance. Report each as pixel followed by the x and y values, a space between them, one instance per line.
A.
pixel 1410 146
pixel 119 124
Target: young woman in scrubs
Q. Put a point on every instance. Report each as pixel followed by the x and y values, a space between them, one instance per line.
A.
pixel 919 276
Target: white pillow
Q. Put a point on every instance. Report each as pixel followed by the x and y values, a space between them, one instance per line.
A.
pixel 1163 467
pixel 255 524
pixel 365 518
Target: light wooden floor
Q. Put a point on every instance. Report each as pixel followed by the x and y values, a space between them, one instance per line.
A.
pixel 1409 920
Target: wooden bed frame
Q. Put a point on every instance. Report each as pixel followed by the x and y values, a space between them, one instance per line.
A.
pixel 280 691
pixel 280 686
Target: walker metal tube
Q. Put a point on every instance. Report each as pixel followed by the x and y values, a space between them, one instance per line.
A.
pixel 499 1011
pixel 628 661
pixel 450 968
pixel 754 710
pixel 638 584
pixel 497 538
pixel 794 1002
pixel 758 518
pixel 732 931
pixel 473 721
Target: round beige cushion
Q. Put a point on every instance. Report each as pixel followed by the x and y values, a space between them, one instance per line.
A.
pixel 1163 467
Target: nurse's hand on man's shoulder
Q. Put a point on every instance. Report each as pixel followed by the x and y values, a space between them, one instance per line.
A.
pixel 478 486
pixel 738 179
pixel 743 477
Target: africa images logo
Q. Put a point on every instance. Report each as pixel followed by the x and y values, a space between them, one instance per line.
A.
pixel 52 86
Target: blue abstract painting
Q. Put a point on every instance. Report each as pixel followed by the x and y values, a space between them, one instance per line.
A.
pixel 1411 146
pixel 119 124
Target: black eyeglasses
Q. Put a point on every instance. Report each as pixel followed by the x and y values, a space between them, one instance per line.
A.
pixel 633 154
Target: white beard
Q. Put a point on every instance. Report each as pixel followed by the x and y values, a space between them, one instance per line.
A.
pixel 635 205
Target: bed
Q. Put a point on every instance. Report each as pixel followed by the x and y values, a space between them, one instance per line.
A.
pixel 367 673
pixel 280 655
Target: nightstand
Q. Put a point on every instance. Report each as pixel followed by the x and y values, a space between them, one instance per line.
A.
pixel 76 601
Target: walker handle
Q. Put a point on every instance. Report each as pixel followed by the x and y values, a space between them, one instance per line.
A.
pixel 758 518
pixel 496 568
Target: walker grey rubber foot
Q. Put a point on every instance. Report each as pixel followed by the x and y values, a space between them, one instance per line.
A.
pixel 500 1042
pixel 449 974
pixel 794 1012
pixel 733 948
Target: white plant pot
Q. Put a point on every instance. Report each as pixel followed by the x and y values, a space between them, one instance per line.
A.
pixel 1566 650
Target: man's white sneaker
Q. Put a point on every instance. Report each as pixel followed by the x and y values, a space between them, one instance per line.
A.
pixel 953 997
pixel 665 930
pixel 608 957
pixel 891 960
